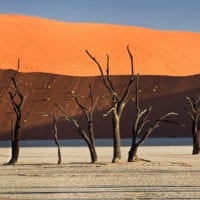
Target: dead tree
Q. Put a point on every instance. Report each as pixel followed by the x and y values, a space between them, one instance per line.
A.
pixel 55 134
pixel 195 117
pixel 143 127
pixel 118 103
pixel 17 100
pixel 88 135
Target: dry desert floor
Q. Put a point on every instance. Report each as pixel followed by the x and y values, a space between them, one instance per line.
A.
pixel 172 173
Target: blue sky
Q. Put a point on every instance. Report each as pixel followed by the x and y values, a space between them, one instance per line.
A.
pixel 158 14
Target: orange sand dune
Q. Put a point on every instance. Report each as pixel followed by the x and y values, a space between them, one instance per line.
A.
pixel 57 47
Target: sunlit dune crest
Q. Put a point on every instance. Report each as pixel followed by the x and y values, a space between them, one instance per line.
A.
pixel 57 47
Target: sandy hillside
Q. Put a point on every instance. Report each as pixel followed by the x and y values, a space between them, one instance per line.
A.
pixel 164 93
pixel 57 47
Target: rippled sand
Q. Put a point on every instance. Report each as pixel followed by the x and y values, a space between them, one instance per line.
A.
pixel 171 173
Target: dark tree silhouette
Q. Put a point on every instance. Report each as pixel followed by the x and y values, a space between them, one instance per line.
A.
pixel 17 100
pixel 55 134
pixel 142 126
pixel 88 135
pixel 195 117
pixel 118 103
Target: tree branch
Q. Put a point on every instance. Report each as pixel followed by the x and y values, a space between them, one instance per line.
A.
pixel 108 74
pixel 155 125
pixel 67 116
pixel 109 111
pixel 79 104
pixel 108 86
pixel 131 59
pixel 75 123
pixel 131 77
pixel 191 103
pixel 90 115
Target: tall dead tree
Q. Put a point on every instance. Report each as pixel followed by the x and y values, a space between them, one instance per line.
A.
pixel 118 103
pixel 17 100
pixel 195 117
pixel 142 126
pixel 88 135
pixel 55 134
pixel 55 130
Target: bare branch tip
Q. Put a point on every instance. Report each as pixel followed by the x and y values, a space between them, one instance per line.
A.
pixel 173 113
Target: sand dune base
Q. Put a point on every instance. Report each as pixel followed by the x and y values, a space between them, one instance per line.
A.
pixel 172 173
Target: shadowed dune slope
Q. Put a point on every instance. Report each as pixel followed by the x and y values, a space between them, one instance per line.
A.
pixel 58 48
pixel 53 63
pixel 164 93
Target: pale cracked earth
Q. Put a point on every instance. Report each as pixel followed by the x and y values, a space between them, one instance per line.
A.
pixel 172 173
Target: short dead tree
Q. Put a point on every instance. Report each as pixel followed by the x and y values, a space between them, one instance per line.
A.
pixel 55 134
pixel 17 100
pixel 194 113
pixel 88 135
pixel 118 103
pixel 142 126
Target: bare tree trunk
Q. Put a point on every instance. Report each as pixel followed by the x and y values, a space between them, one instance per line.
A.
pixel 140 131
pixel 55 135
pixel 116 138
pixel 17 100
pixel 93 153
pixel 196 139
pixel 194 113
pixel 88 136
pixel 117 103
pixel 15 142
pixel 132 154
pixel 59 156
pixel 56 141
pixel 90 144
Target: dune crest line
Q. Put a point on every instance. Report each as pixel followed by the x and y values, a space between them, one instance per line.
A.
pixel 51 46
